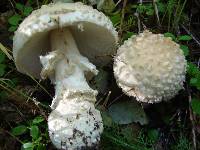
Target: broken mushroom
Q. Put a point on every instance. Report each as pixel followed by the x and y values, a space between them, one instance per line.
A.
pixel 67 39
pixel 150 67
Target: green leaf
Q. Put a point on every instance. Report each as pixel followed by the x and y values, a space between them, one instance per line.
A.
pixel 27 10
pixel 2 57
pixel 128 35
pixel 195 104
pixel 150 12
pixel 14 81
pixel 185 50
pixel 125 112
pixel 19 130
pixel 12 28
pixel 184 38
pixel 28 146
pixel 130 132
pixel 41 147
pixel 193 81
pixel 134 6
pixel 31 2
pixel 116 19
pixel 15 19
pixel 141 8
pixel 2 69
pixel 161 7
pixel 153 135
pixel 38 119
pixel 118 142
pixel 107 120
pixel 19 6
pixel 168 34
pixel 193 70
pixel 34 132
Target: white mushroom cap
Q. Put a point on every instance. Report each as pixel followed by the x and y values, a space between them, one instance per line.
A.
pixel 150 67
pixel 92 30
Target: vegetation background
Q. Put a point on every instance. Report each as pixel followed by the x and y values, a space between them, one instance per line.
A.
pixel 24 101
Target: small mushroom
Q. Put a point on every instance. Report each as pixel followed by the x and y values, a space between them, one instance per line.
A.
pixel 63 41
pixel 150 67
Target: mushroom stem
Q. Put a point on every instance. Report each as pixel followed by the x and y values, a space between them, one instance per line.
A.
pixel 74 122
pixel 65 66
pixel 70 71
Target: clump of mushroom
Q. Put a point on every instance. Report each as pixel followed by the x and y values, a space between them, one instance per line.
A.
pixel 67 39
pixel 150 67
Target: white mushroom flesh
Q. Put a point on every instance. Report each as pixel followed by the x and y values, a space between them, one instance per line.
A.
pixel 74 122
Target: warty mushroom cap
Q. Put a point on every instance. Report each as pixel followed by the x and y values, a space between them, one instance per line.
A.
pixel 93 32
pixel 150 67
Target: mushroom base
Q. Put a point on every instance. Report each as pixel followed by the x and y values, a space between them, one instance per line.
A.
pixel 75 123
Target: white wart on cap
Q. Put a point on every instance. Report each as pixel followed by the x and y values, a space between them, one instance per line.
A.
pixel 150 67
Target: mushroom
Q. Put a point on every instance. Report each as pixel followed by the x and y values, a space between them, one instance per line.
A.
pixel 150 67
pixel 63 41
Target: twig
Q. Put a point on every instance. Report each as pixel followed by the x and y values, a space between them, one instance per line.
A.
pixel 38 5
pixel 6 51
pixel 21 114
pixel 122 18
pixel 192 120
pixel 26 96
pixel 138 21
pixel 156 12
pixel 16 138
pixel 40 85
pixel 143 25
pixel 116 99
pixel 198 64
pixel 193 37
pixel 37 102
pixel 119 1
pixel 18 92
pixel 124 93
pixel 106 99
pixel 179 15
pixel 12 5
